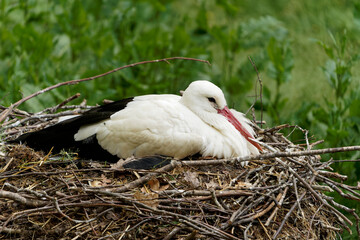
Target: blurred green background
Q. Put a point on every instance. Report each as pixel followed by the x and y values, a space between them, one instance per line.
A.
pixel 306 51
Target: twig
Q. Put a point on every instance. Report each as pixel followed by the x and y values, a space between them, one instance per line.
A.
pixel 167 213
pixel 277 208
pixel 172 233
pixel 290 212
pixel 5 113
pixel 126 230
pixel 297 198
pixel 23 200
pixel 269 156
pixel 260 213
pixel 260 83
pixel 57 207
pixel 315 194
pixel 274 129
pixel 146 178
pixel 216 200
pixel 312 219
pixel 66 101
pixel 246 230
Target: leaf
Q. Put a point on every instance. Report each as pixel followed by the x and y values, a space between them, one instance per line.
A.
pixel 154 184
pixel 229 8
pixel 258 31
pixel 354 108
pixel 149 199
pixel 212 185
pixel 192 178
pixel 105 180
pixel 243 185
pixel 328 50
pixel 281 60
pixel 164 187
pixel 330 73
pixel 96 165
pixel 95 183
pixel 62 45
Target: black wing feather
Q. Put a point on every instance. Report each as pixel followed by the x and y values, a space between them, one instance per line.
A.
pixel 61 135
pixel 148 162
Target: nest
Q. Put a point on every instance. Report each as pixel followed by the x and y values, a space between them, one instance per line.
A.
pixel 278 195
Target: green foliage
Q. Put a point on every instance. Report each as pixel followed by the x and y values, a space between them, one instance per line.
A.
pixel 47 42
pixel 337 120
pixel 338 69
pixel 279 69
pixel 316 86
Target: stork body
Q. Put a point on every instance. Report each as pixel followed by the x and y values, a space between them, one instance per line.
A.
pixel 168 125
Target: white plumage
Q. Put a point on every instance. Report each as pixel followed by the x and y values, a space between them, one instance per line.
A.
pixel 171 125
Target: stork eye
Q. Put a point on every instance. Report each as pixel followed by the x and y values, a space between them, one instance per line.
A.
pixel 211 99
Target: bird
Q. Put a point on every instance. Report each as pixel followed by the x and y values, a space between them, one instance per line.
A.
pixel 177 126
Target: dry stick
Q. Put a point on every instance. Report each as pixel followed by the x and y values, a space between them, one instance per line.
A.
pixel 126 230
pixel 297 197
pixel 290 211
pixel 274 129
pixel 50 207
pixel 65 102
pixel 91 224
pixel 216 200
pixel 340 192
pixel 175 163
pixel 205 232
pixel 314 193
pixel 312 219
pixel 260 83
pixel 264 228
pixel 316 143
pixel 332 175
pixel 268 156
pixel 221 193
pixel 245 231
pixel 62 171
pixel 267 223
pixel 20 199
pixel 24 232
pixel 12 231
pixel 173 232
pixel 346 187
pixel 38 194
pixel 146 178
pixel 5 113
pixel 263 211
pixel 201 198
pixel 186 219
pixel 349 160
pixel 241 210
pixel 42 116
pixel 78 235
pixel 351 211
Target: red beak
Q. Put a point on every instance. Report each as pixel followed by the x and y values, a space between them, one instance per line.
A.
pixel 231 118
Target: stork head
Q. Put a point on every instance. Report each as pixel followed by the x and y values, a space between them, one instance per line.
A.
pixel 203 96
pixel 207 100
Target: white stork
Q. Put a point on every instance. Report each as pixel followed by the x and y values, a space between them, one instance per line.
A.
pixel 199 121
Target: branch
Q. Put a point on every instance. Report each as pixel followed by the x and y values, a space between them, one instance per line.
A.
pixel 261 86
pixel 22 200
pixel 5 113
pixel 269 155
